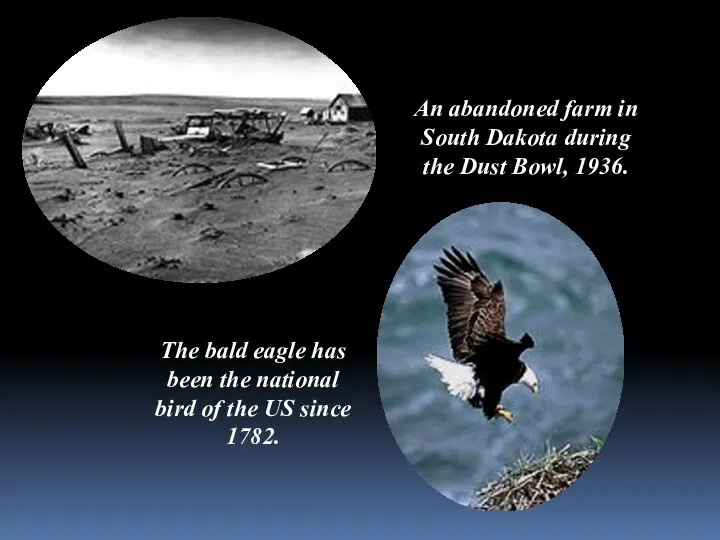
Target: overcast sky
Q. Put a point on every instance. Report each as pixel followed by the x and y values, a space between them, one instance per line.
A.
pixel 200 56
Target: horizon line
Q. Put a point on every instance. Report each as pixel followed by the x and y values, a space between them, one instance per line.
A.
pixel 160 94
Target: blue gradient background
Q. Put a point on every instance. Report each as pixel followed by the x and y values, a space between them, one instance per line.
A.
pixel 99 465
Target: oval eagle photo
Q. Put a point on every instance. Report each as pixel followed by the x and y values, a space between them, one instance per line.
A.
pixel 500 357
pixel 199 149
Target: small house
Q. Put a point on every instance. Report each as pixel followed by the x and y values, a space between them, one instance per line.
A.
pixel 307 112
pixel 348 108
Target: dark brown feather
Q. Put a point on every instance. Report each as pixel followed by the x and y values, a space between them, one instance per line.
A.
pixel 475 307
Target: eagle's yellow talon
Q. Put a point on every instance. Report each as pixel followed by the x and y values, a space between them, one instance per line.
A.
pixel 505 414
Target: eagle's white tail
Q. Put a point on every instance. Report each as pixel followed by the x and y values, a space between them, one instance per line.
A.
pixel 459 378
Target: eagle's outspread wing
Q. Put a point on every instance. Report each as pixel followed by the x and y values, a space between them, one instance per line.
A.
pixel 475 307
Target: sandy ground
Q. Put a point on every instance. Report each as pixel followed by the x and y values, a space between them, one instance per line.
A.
pixel 134 213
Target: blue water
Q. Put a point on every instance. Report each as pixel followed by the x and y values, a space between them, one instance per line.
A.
pixel 556 291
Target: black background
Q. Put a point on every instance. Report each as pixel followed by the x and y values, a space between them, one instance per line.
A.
pixel 82 341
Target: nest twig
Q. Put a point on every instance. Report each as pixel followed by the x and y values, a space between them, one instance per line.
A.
pixel 535 481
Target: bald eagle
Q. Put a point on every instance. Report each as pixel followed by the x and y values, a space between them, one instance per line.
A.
pixel 486 362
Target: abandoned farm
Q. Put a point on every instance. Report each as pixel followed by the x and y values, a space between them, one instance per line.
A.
pixel 198 189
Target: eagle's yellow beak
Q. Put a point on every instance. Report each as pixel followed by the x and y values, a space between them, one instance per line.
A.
pixel 530 380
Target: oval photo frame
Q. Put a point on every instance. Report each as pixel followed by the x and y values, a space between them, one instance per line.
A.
pixel 561 321
pixel 135 153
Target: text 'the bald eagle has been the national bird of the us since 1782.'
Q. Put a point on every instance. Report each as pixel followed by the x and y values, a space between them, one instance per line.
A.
pixel 485 362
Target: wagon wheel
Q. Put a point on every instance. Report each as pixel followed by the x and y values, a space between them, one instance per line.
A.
pixel 244 179
pixel 191 168
pixel 349 164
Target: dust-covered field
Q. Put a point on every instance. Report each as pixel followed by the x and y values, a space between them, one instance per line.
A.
pixel 146 214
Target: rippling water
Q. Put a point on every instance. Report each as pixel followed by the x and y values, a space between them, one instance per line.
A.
pixel 556 291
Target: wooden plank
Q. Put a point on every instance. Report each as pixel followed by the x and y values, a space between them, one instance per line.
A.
pixel 149 145
pixel 121 135
pixel 74 153
pixel 183 138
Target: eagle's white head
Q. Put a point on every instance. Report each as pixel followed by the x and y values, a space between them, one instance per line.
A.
pixel 530 380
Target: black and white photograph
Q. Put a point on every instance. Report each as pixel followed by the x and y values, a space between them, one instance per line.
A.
pixel 199 149
pixel 500 357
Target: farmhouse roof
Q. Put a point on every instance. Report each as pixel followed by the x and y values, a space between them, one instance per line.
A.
pixel 354 101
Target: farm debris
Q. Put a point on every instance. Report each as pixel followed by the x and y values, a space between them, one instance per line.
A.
pixel 191 167
pixel 352 164
pixel 230 124
pixel 244 179
pixel 206 149
pixel 72 149
pixel 150 145
pixel 201 183
pixel 51 132
pixel 223 180
pixel 120 130
pixel 294 162
pixel 317 145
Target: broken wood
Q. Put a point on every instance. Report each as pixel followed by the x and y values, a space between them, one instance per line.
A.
pixel 120 130
pixel 278 125
pixel 74 153
pixel 314 148
pixel 285 163
pixel 149 145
